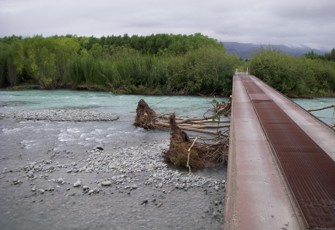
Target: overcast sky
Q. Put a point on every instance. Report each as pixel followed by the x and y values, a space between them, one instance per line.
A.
pixel 290 22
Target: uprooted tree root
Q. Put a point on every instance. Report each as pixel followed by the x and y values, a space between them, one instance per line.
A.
pixel 145 116
pixel 182 151
pixel 193 155
pixel 223 108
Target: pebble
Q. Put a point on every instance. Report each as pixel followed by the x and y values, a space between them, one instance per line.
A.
pixel 60 181
pixel 30 174
pixel 86 188
pixel 77 183
pixel 16 181
pixel 106 183
pixel 144 202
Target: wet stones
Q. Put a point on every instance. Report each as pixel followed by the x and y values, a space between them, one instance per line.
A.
pixel 116 173
pixel 78 115
pixel 129 168
pixel 16 181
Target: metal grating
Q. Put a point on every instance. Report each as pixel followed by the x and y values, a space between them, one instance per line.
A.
pixel 309 171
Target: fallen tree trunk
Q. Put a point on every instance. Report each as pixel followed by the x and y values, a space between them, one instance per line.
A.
pixel 190 129
pixel 148 119
pixel 323 108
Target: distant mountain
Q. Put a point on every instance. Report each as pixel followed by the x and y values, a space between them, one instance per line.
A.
pixel 247 50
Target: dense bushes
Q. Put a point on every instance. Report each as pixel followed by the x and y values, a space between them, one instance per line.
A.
pixel 295 76
pixel 157 64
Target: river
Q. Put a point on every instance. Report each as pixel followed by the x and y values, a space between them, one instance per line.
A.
pixel 65 174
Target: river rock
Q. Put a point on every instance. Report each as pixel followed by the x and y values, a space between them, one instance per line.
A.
pixel 77 183
pixel 60 181
pixel 86 188
pixel 106 183
pixel 16 181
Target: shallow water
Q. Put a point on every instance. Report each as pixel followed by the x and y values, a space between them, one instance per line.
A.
pixel 125 105
pixel 103 101
pixel 327 116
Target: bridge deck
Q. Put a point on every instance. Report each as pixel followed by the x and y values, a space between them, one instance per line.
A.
pixel 281 170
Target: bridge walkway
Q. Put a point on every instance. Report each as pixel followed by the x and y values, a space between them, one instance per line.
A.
pixel 281 170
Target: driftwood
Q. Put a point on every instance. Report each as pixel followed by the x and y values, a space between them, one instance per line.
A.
pixel 323 108
pixel 223 108
pixel 193 155
pixel 182 151
pixel 147 118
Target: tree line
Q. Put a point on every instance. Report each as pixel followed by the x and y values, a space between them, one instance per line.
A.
pixel 325 57
pixel 306 76
pixel 155 64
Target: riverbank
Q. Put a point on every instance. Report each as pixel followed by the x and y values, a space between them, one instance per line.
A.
pixel 99 175
pixel 130 90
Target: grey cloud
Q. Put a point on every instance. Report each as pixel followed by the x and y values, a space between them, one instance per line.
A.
pixel 305 22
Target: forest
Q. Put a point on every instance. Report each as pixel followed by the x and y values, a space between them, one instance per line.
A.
pixel 155 64
pixel 160 64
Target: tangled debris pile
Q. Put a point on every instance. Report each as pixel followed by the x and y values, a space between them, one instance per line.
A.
pixel 194 155
pixel 182 151
pixel 145 116
pixel 223 108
